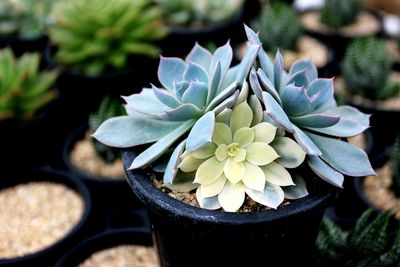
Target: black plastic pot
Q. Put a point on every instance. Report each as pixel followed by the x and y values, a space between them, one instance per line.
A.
pixel 21 45
pixel 191 236
pixel 103 241
pixel 49 255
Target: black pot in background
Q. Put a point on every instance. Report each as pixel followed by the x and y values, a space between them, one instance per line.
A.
pixel 49 255
pixel 21 45
pixel 191 236
pixel 103 241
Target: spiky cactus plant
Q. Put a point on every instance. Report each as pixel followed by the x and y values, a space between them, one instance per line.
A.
pixel 94 35
pixel 279 27
pixel 339 13
pixel 108 108
pixel 395 164
pixel 371 243
pixel 23 87
pixel 366 69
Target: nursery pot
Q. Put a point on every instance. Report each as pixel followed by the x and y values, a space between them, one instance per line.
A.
pixel 191 236
pixel 48 256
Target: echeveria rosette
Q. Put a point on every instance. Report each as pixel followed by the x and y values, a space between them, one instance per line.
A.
pixel 193 91
pixel 244 157
pixel 304 105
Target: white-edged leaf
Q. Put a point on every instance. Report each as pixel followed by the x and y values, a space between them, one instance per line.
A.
pixel 325 172
pixel 202 132
pixel 272 196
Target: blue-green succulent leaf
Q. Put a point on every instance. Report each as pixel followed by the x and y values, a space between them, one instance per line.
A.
pixel 325 172
pixel 278 70
pixel 224 116
pixel 182 113
pixel 255 84
pixel 157 149
pixel 299 79
pixel 222 96
pixel 166 97
pixel 275 111
pixel 305 142
pixel 227 103
pixel 200 55
pixel 223 55
pixel 296 191
pixel 268 86
pixel 272 196
pixel 214 83
pixel 210 203
pixel 183 182
pixel 127 131
pixel 228 79
pixel 344 157
pixel 195 73
pixel 180 88
pixel 196 94
pixel 295 100
pixel 315 120
pixel 172 167
pixel 201 133
pixel 306 64
pixel 170 70
pixel 322 89
pixel 246 64
pixel 145 102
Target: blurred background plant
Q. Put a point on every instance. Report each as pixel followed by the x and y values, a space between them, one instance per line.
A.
pixel 340 13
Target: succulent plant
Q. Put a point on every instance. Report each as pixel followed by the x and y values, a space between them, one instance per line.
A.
pixel 274 20
pixel 340 13
pixel 303 105
pixel 108 108
pixel 24 18
pixel 94 35
pixel 23 87
pixel 395 164
pixel 371 243
pixel 245 157
pixel 366 68
pixel 193 91
pixel 200 12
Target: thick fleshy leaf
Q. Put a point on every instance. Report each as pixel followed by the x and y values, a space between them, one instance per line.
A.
pixel 222 134
pixel 180 88
pixel 234 171
pixel 323 89
pixel 241 156
pixel 305 142
pixel 257 109
pixel 214 188
pixel 295 100
pixel 210 203
pixel 157 149
pixel 291 154
pixel 221 96
pixel 224 116
pixel 166 97
pixel 242 116
pixel 196 94
pixel 183 182
pixel 260 154
pixel 264 132
pixel 172 167
pixel 254 177
pixel 296 191
pixel 199 55
pixel 190 163
pixel 272 195
pixel 299 79
pixel 201 133
pixel 214 83
pixel 268 86
pixel 227 103
pixel 170 70
pixel 232 196
pixel 275 111
pixel 255 84
pixel 315 120
pixel 222 152
pixel 278 70
pixel 244 136
pixel 195 73
pixel 209 171
pixel 243 94
pixel 246 64
pixel 182 113
pixel 228 78
pixel 277 175
pixel 206 151
pixel 223 55
pixel 325 172
pixel 127 131
pixel 145 102
pixel 344 157
pixel 306 64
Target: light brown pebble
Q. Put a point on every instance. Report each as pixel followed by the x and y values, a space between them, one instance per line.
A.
pixel 35 215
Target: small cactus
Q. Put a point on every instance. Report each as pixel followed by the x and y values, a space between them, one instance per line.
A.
pixel 366 69
pixel 23 88
pixel 371 243
pixel 108 108
pixel 340 13
pixel 279 27
pixel 395 164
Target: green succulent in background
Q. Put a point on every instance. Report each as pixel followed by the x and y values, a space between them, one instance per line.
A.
pixel 108 108
pixel 200 12
pixel 304 105
pixel 245 157
pixel 182 112
pixel 366 68
pixel 23 87
pixel 371 243
pixel 340 13
pixel 395 164
pixel 24 18
pixel 279 26
pixel 94 35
